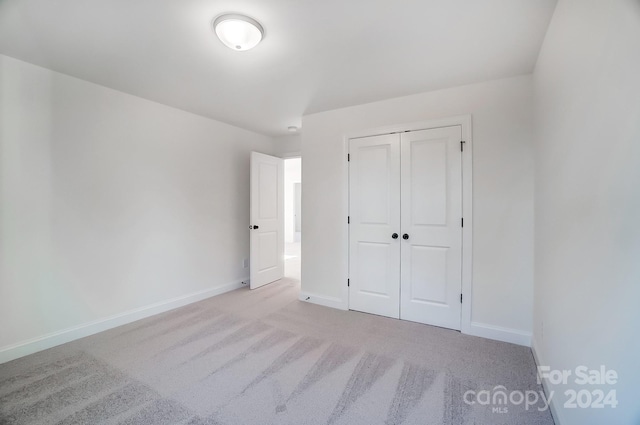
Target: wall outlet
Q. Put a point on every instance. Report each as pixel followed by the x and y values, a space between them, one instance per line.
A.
pixel 245 263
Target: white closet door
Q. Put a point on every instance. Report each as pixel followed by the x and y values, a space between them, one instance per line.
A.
pixel 431 226
pixel 374 209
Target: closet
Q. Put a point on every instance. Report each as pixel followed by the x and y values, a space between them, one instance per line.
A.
pixel 405 225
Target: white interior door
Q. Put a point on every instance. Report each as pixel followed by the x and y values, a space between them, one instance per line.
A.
pixel 374 210
pixel 431 223
pixel 267 219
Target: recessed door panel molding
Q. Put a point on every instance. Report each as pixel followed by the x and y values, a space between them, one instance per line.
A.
pixel 374 215
pixel 428 176
pixel 268 247
pixel 373 182
pixel 268 192
pixel 267 219
pixel 427 279
pixel 374 279
pixel 405 230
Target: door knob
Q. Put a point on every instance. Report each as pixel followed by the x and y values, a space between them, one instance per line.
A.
pixel 405 236
pixel 254 227
pixel 394 236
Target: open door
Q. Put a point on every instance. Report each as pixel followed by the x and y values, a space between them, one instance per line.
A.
pixel 267 219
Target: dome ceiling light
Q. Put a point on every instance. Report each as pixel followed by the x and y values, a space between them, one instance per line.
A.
pixel 238 32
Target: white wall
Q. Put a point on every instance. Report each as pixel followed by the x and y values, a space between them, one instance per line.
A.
pixel 110 203
pixel 502 198
pixel 587 245
pixel 287 146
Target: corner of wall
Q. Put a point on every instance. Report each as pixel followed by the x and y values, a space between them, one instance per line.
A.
pixel 537 357
pixel 499 333
pixel 322 300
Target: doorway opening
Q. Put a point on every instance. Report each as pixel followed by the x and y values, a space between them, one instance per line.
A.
pixel 292 217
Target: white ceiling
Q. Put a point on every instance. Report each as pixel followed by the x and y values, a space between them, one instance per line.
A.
pixel 317 54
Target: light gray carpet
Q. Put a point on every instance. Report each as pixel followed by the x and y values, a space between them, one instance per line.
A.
pixel 263 357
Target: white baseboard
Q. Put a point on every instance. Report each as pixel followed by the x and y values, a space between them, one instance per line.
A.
pixel 545 384
pixel 53 339
pixel 534 350
pixel 498 333
pixel 483 330
pixel 322 300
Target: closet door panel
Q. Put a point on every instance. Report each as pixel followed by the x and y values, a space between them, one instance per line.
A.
pixel 374 210
pixel 431 205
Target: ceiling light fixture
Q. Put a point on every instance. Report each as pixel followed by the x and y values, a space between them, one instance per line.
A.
pixel 292 129
pixel 238 32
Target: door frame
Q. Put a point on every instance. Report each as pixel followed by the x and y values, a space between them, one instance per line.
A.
pixel 284 157
pixel 465 123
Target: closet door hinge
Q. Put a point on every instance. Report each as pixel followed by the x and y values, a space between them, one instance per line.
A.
pixel 348 157
pixel 462 142
pixel 462 222
pixel 348 283
pixel 460 298
pixel 348 219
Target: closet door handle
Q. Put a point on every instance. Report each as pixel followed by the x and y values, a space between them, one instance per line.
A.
pixel 405 236
pixel 394 236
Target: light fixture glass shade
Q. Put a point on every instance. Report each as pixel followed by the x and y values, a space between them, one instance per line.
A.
pixel 238 32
